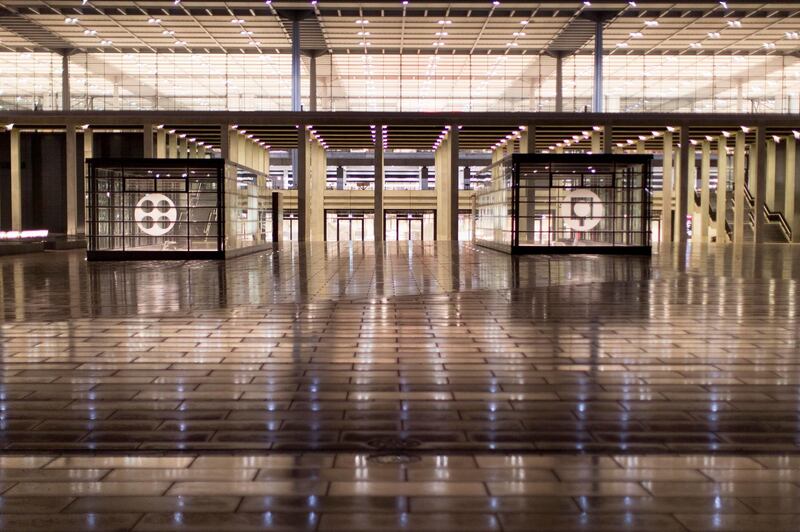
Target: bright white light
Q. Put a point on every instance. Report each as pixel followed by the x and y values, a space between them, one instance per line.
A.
pixel 695 45
pixel 636 35
pixel 769 45
pixel 713 35
pixel 19 235
pixel 71 20
pixel 792 35
pixel 735 23
pixel 362 21
pixel 237 21
pixel 106 42
pixel 651 23
pixel 622 45
pixel 444 22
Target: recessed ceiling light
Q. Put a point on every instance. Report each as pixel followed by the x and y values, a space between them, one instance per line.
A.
pixel 70 20
pixel 168 32
pixel 106 42
pixel 444 22
pixel 362 21
pixel 792 35
pixel 90 32
pixel 519 34
pixel 695 45
pixel 651 23
pixel 735 23
pixel 769 45
pixel 637 35
pixel 154 21
pixel 237 21
pixel 713 35
pixel 622 45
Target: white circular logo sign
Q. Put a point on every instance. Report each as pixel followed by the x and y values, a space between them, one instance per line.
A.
pixel 581 210
pixel 155 214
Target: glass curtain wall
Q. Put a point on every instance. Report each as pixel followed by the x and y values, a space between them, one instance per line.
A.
pixel 759 83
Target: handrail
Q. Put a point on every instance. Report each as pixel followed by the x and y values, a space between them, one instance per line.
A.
pixel 772 216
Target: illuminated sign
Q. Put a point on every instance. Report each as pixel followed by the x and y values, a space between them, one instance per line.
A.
pixel 581 210
pixel 155 214
pixel 22 235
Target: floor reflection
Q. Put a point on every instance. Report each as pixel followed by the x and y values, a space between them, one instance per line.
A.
pixel 423 346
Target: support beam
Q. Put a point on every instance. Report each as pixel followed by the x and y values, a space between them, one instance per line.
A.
pixel 597 142
pixel 666 194
pixel 380 233
pixel 16 182
pixel 722 189
pixel 738 188
pixel 677 191
pixel 760 185
pixel 682 196
pixel 183 148
pixel 527 140
pixel 71 167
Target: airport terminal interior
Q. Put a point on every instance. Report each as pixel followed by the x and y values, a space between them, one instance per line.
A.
pixel 399 265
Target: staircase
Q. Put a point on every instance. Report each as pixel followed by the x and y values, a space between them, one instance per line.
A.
pixel 776 229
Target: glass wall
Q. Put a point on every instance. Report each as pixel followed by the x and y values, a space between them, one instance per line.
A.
pixel 756 83
pixel 349 225
pixel 152 208
pixel 248 206
pixel 567 202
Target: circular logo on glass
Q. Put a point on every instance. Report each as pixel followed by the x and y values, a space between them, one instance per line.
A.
pixel 155 214
pixel 581 210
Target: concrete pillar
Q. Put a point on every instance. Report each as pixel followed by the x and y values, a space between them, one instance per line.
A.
pixel 147 137
pixel 316 168
pixel 277 217
pixel 380 233
pixel 722 188
pixel 71 168
pixel 312 103
pixel 161 144
pixel 301 182
pixel 597 94
pixel 705 191
pixel 66 95
pixel 88 153
pixel 791 209
pixel 608 139
pixel 339 178
pixel 770 174
pixel 738 188
pixel 241 150
pixel 447 188
pixel 597 142
pixel 296 64
pixel 173 146
pixel 677 192
pixel 760 188
pixel 16 182
pixel 681 207
pixel 527 140
pixel 559 82
pixel 666 194
pixel 640 146
pixel 183 148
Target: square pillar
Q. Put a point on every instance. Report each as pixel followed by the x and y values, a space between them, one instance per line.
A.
pixel 760 185
pixel 738 187
pixel 302 183
pixel 183 148
pixel 277 216
pixel 16 182
pixel 88 153
pixel 722 189
pixel 770 163
pixel 172 146
pixel 666 194
pixel 682 205
pixel 380 230
pixel 71 167
pixel 447 187
pixel 705 191
pixel 791 207
pixel 608 138
pixel 597 144
pixel 527 140
pixel 147 137
pixel 161 143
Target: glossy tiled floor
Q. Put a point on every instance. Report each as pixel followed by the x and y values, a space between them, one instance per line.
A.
pixel 466 389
